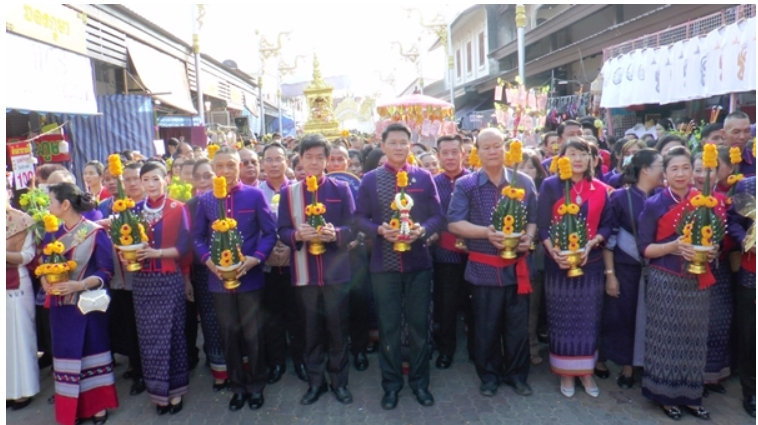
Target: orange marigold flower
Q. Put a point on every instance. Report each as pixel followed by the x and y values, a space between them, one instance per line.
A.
pixel 395 223
pixel 573 209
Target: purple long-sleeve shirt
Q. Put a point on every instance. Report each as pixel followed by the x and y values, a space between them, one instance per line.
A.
pixel 249 208
pixel 656 207
pixel 333 266
pixel 427 211
pixel 551 191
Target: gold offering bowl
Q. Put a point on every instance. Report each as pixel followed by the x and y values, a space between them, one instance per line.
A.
pixel 574 260
pixel 697 265
pixel 54 279
pixel 511 243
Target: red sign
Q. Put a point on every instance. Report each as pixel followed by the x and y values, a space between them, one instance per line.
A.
pixel 46 149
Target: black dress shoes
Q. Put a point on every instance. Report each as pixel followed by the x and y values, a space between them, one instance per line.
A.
pixel 488 390
pixel 220 387
pixel 275 374
pixel 519 387
pixel 749 404
pixel 371 347
pixel 342 394
pixel 361 362
pixel 162 410
pixel 602 374
pixel 302 372
pixel 444 361
pixel 626 382
pixel 312 395
pixel 389 401
pixel 176 408
pixel 424 397
pixel 700 412
pixel 127 374
pixel 256 401
pixel 100 420
pixel 138 387
pixel 18 405
pixel 238 401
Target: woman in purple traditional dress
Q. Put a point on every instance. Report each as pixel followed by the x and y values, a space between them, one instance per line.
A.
pixel 615 178
pixel 624 267
pixel 84 382
pixel 202 175
pixel 159 293
pixel 676 328
pixel 574 304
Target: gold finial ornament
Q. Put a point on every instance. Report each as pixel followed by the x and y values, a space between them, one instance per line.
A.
pixel 520 16
pixel 318 95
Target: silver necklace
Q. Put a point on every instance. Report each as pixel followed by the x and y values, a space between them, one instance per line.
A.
pixel 153 214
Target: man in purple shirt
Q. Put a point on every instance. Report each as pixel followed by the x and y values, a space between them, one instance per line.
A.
pixel 239 312
pixel 394 274
pixel 737 133
pixel 319 280
pixel 499 288
pixel 566 130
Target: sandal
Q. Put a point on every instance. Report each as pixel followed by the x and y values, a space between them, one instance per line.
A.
pixel 699 412
pixel 672 412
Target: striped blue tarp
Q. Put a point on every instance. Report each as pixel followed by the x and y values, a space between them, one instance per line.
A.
pixel 126 122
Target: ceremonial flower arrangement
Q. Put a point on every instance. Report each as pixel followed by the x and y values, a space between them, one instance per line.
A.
pixel 401 218
pixel 700 226
pixel 509 215
pixel 569 231
pixel 35 203
pixel 127 231
pixel 735 157
pixel 314 213
pixel 226 253
pixel 473 159
pixel 179 190
pixel 212 149
pixel 54 264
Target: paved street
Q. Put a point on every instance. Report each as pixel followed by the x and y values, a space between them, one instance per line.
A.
pixel 455 390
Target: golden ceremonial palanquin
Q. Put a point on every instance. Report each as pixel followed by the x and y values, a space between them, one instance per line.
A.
pixel 321 118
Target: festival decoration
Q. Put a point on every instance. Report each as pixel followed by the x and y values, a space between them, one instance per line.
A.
pixel 226 253
pixel 509 215
pixel 35 203
pixel 55 267
pixel 212 149
pixel 569 230
pixel 699 225
pixel 127 231
pixel 735 157
pixel 401 219
pixel 522 110
pixel 473 159
pixel 744 204
pixel 179 190
pixel 314 213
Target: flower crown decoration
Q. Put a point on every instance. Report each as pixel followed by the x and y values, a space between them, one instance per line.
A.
pixel 54 262
pixel 126 228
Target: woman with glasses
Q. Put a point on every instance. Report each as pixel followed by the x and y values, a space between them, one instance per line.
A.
pixel 574 304
pixel 202 181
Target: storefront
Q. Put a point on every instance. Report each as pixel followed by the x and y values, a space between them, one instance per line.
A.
pixel 704 64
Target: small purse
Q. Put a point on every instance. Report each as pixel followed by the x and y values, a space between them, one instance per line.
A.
pixel 94 300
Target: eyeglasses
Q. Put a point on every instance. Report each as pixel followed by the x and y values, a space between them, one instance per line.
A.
pixel 247 162
pixel 206 176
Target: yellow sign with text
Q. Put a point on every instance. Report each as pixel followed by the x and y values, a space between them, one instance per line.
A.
pixel 53 24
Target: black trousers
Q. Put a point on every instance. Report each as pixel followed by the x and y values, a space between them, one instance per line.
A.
pixel 122 328
pixel 240 320
pixel 501 320
pixel 450 293
pixel 191 330
pixel 359 290
pixel 745 311
pixel 325 321
pixel 282 317
pixel 389 290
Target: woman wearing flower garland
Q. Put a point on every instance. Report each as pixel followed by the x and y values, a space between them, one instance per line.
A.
pixel 623 280
pixel 80 341
pixel 159 292
pixel 574 304
pixel 676 322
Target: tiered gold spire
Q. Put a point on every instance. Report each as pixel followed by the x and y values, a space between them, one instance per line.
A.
pixel 318 94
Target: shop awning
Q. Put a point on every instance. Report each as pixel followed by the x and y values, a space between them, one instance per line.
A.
pixel 43 78
pixel 164 77
pixel 179 121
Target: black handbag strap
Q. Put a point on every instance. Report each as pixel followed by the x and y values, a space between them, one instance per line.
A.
pixel 633 220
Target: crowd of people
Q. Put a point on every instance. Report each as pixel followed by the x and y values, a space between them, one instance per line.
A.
pixel 635 306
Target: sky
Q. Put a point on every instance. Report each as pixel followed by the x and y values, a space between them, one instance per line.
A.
pixel 352 39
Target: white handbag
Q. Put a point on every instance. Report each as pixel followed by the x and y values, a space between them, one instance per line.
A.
pixel 94 300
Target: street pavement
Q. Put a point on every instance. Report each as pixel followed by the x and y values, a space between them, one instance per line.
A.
pixel 456 392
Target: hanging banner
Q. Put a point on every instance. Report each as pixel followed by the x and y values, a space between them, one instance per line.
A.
pixel 53 24
pixel 46 149
pixel 20 155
